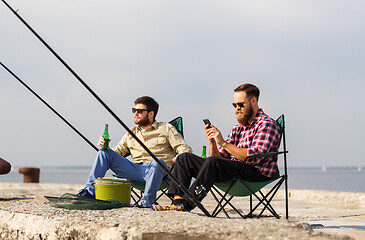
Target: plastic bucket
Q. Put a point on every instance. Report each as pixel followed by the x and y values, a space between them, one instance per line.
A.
pixel 119 191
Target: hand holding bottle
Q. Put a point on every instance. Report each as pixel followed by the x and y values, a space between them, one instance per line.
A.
pixel 102 141
pixel 105 139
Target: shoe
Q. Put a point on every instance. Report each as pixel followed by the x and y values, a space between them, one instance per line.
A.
pixel 172 207
pixel 85 194
pixel 158 208
pixel 177 205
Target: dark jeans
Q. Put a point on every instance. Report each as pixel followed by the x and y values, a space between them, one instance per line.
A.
pixel 208 171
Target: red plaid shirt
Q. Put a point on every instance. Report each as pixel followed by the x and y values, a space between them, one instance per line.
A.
pixel 261 136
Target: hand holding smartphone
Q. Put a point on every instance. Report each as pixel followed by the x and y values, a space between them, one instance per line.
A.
pixel 207 122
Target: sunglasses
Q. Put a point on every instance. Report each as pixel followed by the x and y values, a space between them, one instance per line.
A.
pixel 139 111
pixel 240 104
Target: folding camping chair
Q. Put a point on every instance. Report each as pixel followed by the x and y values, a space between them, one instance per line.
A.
pixel 240 187
pixel 140 186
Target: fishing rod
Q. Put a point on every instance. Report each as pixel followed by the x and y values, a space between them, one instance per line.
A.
pixel 173 178
pixel 49 106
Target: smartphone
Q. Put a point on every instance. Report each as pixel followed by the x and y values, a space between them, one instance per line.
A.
pixel 207 122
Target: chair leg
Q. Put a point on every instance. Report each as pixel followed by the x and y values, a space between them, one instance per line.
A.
pixel 261 201
pixel 215 213
pixel 164 192
pixel 264 199
pixel 227 201
pixel 223 197
pixel 286 197
pixel 250 213
pixel 159 196
pixel 232 206
pixel 167 189
pixel 136 196
pixel 268 206
pixel 273 192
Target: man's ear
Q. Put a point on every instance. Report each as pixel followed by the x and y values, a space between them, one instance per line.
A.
pixel 254 100
pixel 151 114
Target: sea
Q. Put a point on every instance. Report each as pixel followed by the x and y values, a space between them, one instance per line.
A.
pixel 343 179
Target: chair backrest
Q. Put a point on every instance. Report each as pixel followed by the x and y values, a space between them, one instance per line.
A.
pixel 178 124
pixel 281 123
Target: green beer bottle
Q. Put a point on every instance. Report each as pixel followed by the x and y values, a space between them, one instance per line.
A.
pixel 204 153
pixel 106 138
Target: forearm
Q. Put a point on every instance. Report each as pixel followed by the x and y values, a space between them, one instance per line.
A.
pixel 122 147
pixel 177 142
pixel 238 153
pixel 213 150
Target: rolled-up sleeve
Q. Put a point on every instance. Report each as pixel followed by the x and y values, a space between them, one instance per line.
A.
pixel 122 147
pixel 177 142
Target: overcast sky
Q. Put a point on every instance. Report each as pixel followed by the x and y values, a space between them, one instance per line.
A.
pixel 307 58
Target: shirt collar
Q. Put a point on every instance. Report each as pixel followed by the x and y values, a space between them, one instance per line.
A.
pixel 154 125
pixel 258 116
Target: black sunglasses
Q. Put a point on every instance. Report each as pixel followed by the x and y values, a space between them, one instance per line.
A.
pixel 134 110
pixel 240 104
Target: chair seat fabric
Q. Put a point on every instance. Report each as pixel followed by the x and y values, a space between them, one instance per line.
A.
pixel 141 185
pixel 238 189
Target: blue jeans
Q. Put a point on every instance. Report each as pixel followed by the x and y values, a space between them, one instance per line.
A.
pixel 151 173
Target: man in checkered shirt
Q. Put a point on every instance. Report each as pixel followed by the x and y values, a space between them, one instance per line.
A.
pixel 256 133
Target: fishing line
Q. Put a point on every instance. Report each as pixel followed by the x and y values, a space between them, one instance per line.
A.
pixel 173 178
pixel 49 106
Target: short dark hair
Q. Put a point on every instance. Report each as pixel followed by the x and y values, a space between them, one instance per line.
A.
pixel 150 103
pixel 250 90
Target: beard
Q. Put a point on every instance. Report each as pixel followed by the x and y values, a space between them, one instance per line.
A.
pixel 142 121
pixel 244 116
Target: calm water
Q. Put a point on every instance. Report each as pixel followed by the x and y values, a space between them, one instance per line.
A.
pixel 337 179
pixel 350 179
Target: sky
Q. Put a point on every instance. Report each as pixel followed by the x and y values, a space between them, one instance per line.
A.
pixel 307 58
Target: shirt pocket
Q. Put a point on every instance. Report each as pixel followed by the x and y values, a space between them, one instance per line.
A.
pixel 157 142
pixel 133 146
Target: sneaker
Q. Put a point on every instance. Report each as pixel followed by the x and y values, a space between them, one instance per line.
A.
pixel 85 193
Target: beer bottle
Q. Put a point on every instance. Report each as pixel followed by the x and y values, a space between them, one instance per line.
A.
pixel 204 153
pixel 106 138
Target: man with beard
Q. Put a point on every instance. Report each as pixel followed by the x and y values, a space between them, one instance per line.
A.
pixel 163 140
pixel 256 133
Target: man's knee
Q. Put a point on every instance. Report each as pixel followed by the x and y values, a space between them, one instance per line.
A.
pixel 102 152
pixel 102 155
pixel 211 161
pixel 156 165
pixel 183 158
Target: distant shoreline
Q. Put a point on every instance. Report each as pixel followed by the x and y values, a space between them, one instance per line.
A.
pixel 348 179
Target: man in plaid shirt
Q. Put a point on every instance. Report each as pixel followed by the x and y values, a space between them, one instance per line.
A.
pixel 256 133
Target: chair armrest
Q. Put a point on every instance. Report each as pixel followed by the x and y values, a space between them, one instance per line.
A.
pixel 266 154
